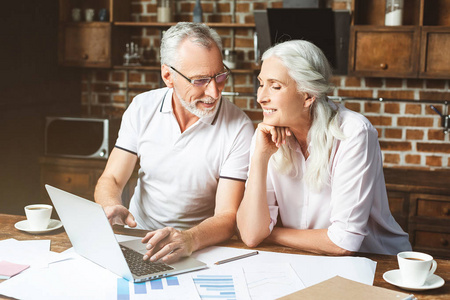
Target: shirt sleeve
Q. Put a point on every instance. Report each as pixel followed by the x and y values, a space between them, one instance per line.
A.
pixel 128 132
pixel 356 167
pixel 236 164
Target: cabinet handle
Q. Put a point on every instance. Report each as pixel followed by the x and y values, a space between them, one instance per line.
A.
pixel 85 56
pixel 444 242
pixel 383 66
pixel 446 211
pixel 68 180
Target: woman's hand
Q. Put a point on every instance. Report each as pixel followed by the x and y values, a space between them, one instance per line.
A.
pixel 269 138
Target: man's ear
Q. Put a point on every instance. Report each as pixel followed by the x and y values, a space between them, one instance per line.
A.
pixel 167 76
pixel 309 100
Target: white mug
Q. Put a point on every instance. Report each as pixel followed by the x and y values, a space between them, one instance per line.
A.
pixel 89 14
pixel 76 14
pixel 38 216
pixel 415 267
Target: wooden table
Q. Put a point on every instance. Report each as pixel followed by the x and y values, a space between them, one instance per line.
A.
pixel 60 242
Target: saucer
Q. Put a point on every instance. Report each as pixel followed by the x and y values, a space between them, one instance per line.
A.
pixel 52 225
pixel 394 277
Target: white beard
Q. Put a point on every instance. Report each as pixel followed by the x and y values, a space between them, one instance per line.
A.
pixel 200 113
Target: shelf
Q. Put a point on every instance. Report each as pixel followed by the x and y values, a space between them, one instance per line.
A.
pixel 167 25
pixel 158 68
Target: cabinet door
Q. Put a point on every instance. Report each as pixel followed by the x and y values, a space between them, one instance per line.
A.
pixel 86 45
pixel 384 51
pixel 434 56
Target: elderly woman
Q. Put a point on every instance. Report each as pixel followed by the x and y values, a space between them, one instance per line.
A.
pixel 315 166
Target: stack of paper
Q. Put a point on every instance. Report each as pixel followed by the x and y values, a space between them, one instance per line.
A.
pixel 9 269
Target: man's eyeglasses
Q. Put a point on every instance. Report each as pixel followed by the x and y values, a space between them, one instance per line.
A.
pixel 203 82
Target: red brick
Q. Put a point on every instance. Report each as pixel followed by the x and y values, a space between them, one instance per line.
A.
pixel 434 96
pixel 119 98
pixel 395 146
pixel 391 133
pixel 412 159
pixel 413 109
pixel 241 103
pixel 225 7
pixel 435 84
pixel 415 122
pixel 396 94
pixel 412 134
pixel 380 120
pixel 355 106
pixel 433 147
pixel 259 5
pixel 433 161
pixel 102 75
pixel 135 77
pixel 436 135
pixel 372 107
pixel 102 87
pixel 339 5
pixel 244 42
pixel 394 82
pixel 391 158
pixel 336 80
pixel 392 108
pixel 118 76
pixel 414 83
pixel 374 82
pixel 355 93
pixel 353 81
pixel 152 77
pixel 104 99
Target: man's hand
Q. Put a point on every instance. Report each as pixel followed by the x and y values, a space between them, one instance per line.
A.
pixel 119 215
pixel 168 244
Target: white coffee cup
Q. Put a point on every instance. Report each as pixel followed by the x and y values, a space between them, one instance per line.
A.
pixel 89 14
pixel 38 216
pixel 415 267
pixel 76 14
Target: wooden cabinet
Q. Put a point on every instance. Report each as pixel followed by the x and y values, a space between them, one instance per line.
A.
pixel 420 202
pixel 414 50
pixel 77 176
pixel 90 44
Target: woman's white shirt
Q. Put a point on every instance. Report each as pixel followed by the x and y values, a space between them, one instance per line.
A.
pixel 354 206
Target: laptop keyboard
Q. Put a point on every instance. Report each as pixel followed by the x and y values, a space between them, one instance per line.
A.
pixel 141 267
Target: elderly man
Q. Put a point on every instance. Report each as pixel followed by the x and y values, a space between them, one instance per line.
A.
pixel 193 149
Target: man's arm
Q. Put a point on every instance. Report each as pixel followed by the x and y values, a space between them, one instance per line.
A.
pixel 108 191
pixel 170 244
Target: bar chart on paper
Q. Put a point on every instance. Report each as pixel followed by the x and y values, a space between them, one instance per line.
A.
pixel 163 288
pixel 221 286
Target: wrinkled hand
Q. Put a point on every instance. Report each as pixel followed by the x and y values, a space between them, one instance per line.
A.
pixel 119 215
pixel 269 138
pixel 168 244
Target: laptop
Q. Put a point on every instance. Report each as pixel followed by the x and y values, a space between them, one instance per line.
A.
pixel 92 237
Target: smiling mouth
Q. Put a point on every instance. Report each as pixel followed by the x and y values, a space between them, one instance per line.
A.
pixel 269 111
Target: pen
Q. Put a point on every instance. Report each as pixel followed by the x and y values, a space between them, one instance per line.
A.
pixel 410 297
pixel 236 258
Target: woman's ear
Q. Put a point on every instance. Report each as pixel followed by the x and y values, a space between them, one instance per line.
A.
pixel 166 75
pixel 309 100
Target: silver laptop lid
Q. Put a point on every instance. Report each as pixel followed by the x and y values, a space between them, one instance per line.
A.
pixel 89 231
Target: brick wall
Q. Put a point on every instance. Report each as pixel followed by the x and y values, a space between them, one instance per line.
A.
pixel 410 133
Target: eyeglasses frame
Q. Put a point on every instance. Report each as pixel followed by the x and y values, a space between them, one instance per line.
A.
pixel 191 81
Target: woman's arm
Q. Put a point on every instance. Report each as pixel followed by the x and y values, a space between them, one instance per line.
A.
pixel 312 240
pixel 253 218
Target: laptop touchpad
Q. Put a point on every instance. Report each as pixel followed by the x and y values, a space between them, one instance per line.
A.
pixel 136 245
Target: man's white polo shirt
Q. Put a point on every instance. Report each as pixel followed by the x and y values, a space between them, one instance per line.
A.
pixel 179 172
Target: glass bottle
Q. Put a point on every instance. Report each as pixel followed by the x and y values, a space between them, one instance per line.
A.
pixel 394 13
pixel 198 12
pixel 165 11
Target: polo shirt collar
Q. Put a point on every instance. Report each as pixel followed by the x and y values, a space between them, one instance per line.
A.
pixel 166 107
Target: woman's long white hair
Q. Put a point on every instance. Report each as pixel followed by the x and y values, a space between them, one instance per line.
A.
pixel 308 66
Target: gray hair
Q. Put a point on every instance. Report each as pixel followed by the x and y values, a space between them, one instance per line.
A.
pixel 198 33
pixel 310 69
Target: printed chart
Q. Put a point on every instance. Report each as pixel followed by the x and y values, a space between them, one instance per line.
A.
pixel 218 285
pixel 163 288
